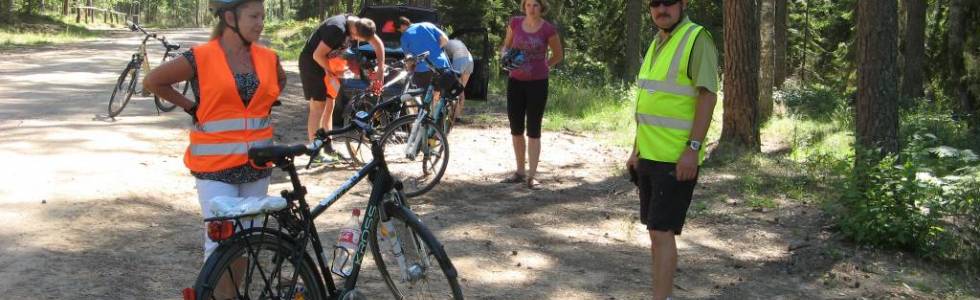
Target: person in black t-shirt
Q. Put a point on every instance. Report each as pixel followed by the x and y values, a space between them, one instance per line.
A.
pixel 322 65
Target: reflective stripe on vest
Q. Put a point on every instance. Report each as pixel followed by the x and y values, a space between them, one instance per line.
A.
pixel 667 97
pixel 659 121
pixel 227 148
pixel 234 124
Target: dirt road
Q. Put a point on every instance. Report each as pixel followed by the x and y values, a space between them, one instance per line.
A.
pixel 95 208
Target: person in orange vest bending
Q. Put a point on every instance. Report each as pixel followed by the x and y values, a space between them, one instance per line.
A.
pixel 236 83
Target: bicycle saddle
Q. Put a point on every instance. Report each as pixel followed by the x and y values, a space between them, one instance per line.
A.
pixel 263 155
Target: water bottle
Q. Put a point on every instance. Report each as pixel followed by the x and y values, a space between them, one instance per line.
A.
pixel 347 241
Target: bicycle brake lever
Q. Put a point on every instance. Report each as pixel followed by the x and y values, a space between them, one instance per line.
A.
pixel 314 148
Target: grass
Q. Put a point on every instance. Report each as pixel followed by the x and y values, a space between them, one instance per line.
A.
pixel 35 30
pixel 289 37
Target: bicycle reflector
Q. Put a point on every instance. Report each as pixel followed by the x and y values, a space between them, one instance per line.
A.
pixel 220 230
pixel 189 294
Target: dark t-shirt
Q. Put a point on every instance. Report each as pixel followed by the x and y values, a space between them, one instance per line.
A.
pixel 332 32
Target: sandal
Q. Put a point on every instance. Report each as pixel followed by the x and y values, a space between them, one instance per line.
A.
pixel 513 178
pixel 532 183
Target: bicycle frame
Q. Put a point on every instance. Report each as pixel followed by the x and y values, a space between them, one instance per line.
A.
pixel 383 183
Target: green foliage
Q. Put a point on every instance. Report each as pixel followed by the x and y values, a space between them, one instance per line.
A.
pixel 31 29
pixel 925 199
pixel 289 37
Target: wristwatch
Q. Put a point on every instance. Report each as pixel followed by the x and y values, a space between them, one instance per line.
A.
pixel 694 145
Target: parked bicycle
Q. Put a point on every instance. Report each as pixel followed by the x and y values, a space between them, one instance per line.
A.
pixel 358 145
pixel 127 83
pixel 267 255
pixel 416 145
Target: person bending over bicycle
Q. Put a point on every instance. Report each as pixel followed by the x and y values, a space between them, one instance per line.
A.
pixel 422 37
pixel 236 83
pixel 322 66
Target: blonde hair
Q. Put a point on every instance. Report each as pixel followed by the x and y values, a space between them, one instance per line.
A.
pixel 543 3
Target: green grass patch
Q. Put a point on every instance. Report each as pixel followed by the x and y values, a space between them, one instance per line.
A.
pixel 288 37
pixel 33 30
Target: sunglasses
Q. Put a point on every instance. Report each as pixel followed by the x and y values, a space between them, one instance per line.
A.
pixel 656 3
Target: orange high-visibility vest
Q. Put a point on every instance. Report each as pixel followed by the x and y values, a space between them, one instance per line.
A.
pixel 226 128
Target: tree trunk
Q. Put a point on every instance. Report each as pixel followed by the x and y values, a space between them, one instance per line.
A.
pixel 877 108
pixel 634 12
pixel 6 10
pixel 956 39
pixel 780 44
pixel 740 130
pixel 64 7
pixel 766 57
pixel 915 48
pixel 806 40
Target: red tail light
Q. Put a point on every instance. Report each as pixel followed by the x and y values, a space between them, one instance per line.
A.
pixel 220 230
pixel 189 294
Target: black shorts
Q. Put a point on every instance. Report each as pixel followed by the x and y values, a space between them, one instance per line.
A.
pixel 526 101
pixel 311 75
pixel 663 200
pixel 422 79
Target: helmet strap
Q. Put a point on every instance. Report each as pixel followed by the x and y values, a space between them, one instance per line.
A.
pixel 237 31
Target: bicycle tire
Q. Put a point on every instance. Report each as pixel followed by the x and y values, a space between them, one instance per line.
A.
pixel 180 87
pixel 433 154
pixel 119 98
pixel 421 243
pixel 448 117
pixel 256 243
pixel 358 146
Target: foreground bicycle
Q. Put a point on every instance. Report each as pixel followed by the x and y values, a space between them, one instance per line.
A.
pixel 127 82
pixel 267 255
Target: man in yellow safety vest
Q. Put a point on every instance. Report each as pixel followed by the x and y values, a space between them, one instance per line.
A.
pixel 677 88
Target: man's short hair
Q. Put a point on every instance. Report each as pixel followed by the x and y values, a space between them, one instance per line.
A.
pixel 403 21
pixel 365 27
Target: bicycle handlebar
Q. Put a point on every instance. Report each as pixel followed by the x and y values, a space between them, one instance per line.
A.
pixel 162 39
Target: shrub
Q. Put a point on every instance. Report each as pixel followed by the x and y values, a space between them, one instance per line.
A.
pixel 923 199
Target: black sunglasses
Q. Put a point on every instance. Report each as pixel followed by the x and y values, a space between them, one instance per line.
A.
pixel 655 3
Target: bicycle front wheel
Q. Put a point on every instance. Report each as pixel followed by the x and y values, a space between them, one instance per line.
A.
pixel 259 266
pixel 412 261
pixel 180 87
pixel 418 163
pixel 123 90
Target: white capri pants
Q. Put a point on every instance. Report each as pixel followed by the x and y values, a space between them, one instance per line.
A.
pixel 207 189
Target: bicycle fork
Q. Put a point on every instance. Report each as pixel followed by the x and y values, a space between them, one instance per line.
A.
pixel 415 137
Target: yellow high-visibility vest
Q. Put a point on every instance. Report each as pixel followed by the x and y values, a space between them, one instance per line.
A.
pixel 666 98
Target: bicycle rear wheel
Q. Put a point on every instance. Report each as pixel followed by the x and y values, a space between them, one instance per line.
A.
pixel 180 87
pixel 259 266
pixel 426 272
pixel 123 90
pixel 418 164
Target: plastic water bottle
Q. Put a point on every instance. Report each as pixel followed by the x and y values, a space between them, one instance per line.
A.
pixel 347 241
